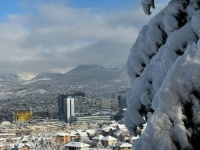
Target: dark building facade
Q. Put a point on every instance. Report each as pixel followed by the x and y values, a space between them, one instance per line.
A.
pixel 65 107
pixel 122 105
pixel 78 93
pixel 61 98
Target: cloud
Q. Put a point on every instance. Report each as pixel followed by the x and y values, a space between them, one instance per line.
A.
pixel 54 36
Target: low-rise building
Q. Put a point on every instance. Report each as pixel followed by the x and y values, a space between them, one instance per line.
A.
pixel 63 138
pixel 108 141
pixel 2 147
pixel 25 146
pixel 125 146
pixel 97 138
pixel 76 146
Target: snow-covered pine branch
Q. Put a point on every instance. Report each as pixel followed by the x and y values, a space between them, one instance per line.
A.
pixel 163 65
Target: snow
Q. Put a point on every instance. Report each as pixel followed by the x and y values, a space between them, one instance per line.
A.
pixel 126 145
pixel 98 137
pixel 77 144
pixel 108 138
pixel 26 76
pixel 164 67
pixel 62 134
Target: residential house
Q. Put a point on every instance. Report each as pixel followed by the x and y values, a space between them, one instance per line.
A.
pixel 63 138
pixel 2 147
pixel 73 137
pixel 80 135
pixel 95 149
pixel 76 146
pixel 108 130
pixel 97 138
pixel 3 140
pixel 24 146
pixel 125 146
pixel 108 141
pixel 125 136
pixel 117 133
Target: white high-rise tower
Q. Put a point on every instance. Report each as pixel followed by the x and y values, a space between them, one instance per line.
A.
pixel 66 105
pixel 69 108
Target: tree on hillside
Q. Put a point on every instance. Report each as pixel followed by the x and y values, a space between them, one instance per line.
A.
pixel 164 67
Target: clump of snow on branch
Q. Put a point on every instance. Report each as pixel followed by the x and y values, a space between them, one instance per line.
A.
pixel 164 67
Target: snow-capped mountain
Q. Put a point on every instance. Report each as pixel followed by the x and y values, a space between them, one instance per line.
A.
pixel 93 79
pixel 26 76
pixel 164 68
pixel 47 76
pixel 84 74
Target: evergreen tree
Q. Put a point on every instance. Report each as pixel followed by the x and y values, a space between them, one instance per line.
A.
pixel 164 67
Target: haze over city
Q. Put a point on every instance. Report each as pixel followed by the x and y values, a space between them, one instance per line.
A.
pixel 48 35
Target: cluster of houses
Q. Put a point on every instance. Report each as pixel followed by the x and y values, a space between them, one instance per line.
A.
pixel 48 136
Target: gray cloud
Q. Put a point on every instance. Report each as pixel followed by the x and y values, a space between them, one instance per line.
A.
pixel 56 37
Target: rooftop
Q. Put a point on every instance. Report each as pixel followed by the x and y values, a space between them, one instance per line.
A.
pixel 77 144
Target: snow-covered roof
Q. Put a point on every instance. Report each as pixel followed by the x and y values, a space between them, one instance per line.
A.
pixel 94 149
pixel 108 138
pixel 126 145
pixel 62 134
pixel 25 138
pixel 3 139
pixel 134 137
pixel 7 134
pixel 108 128
pixel 77 144
pixel 121 126
pixel 82 133
pixel 21 145
pixel 98 137
pixel 16 138
pixel 80 130
pixel 91 131
pixel 5 123
pixel 73 133
pixel 115 124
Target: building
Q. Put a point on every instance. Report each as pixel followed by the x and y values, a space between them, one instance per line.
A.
pixel 2 147
pixel 126 146
pixel 76 146
pixel 63 138
pixel 74 119
pixel 108 141
pixel 23 115
pixel 24 146
pixel 42 114
pixel 97 138
pixel 105 103
pixel 78 93
pixel 65 107
pixel 122 105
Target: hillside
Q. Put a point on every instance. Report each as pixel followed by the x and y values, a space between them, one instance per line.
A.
pixel 95 80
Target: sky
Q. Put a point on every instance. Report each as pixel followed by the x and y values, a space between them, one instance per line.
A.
pixel 57 35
